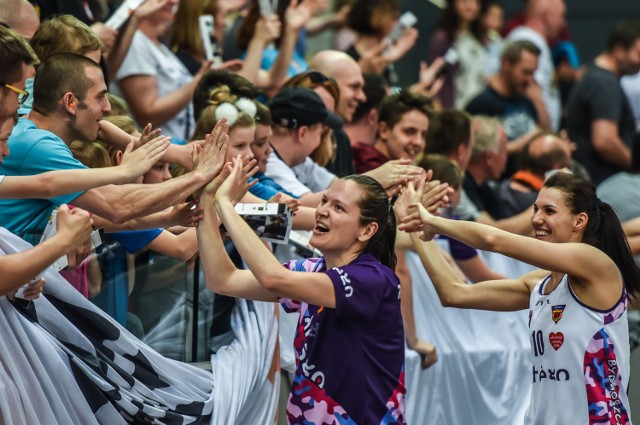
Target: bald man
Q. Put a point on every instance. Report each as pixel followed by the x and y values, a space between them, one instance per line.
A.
pixel 544 153
pixel 21 16
pixel 543 20
pixel 346 72
pixel 342 68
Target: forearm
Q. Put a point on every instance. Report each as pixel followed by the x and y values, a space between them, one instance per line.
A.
pixel 183 247
pixel 544 119
pixel 614 152
pixel 113 135
pixel 280 67
pixel 519 224
pixel 444 279
pixel 160 219
pixel 159 109
pixel 122 203
pixel 311 199
pixel 148 199
pixel 215 262
pixel 56 183
pixel 406 299
pixel 253 61
pixel 477 235
pixel 20 268
pixel 264 266
pixel 123 42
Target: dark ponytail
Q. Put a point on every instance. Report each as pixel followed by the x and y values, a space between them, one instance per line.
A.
pixel 375 207
pixel 603 229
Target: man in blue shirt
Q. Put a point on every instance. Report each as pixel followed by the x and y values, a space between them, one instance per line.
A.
pixel 69 101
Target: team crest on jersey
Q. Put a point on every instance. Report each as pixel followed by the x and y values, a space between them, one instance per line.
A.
pixel 556 312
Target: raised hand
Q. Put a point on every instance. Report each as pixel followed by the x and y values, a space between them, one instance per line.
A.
pixel 187 214
pixel 281 198
pixel 138 162
pixel 236 185
pixel 418 219
pixel 149 7
pixel 402 45
pixel 395 172
pixel 428 82
pixel 297 15
pixel 373 60
pixel 435 196
pixel 267 29
pixel 214 150
pixel 411 194
pixel 148 134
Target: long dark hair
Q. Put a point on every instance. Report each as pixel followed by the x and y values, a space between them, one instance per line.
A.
pixel 374 207
pixel 603 229
pixel 449 22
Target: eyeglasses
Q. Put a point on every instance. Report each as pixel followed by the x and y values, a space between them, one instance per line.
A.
pixel 22 94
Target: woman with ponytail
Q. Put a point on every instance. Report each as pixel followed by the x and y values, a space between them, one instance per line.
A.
pixel 349 341
pixel 577 303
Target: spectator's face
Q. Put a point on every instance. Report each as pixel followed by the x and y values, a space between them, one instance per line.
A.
pixel 90 109
pixel 261 146
pixel 338 218
pixel 5 131
pixel 240 139
pixel 311 137
pixel 467 10
pixel 493 19
pixel 554 18
pixel 9 96
pixel 630 61
pixel 406 139
pixel 519 76
pixel 351 84
pixel 160 172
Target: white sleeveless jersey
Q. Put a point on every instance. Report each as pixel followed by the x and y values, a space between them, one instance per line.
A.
pixel 580 355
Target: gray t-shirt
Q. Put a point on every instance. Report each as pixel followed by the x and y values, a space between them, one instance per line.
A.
pixel 146 58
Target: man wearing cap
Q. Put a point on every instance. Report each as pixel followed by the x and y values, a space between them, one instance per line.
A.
pixel 299 117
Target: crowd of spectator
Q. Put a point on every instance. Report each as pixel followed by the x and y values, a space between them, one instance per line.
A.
pixel 496 109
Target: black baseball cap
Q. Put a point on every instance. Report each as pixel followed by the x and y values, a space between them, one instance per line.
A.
pixel 294 107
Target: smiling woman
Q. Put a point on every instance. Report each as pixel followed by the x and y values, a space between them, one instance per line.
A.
pixel 577 302
pixel 347 298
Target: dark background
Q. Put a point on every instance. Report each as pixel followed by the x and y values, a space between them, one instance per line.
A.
pixel 590 22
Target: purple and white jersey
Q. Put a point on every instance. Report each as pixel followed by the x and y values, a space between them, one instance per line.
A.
pixel 349 359
pixel 581 366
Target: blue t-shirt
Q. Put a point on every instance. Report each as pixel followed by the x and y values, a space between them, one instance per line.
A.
pixel 267 185
pixel 34 151
pixel 349 359
pixel 297 65
pixel 134 240
pixel 26 107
